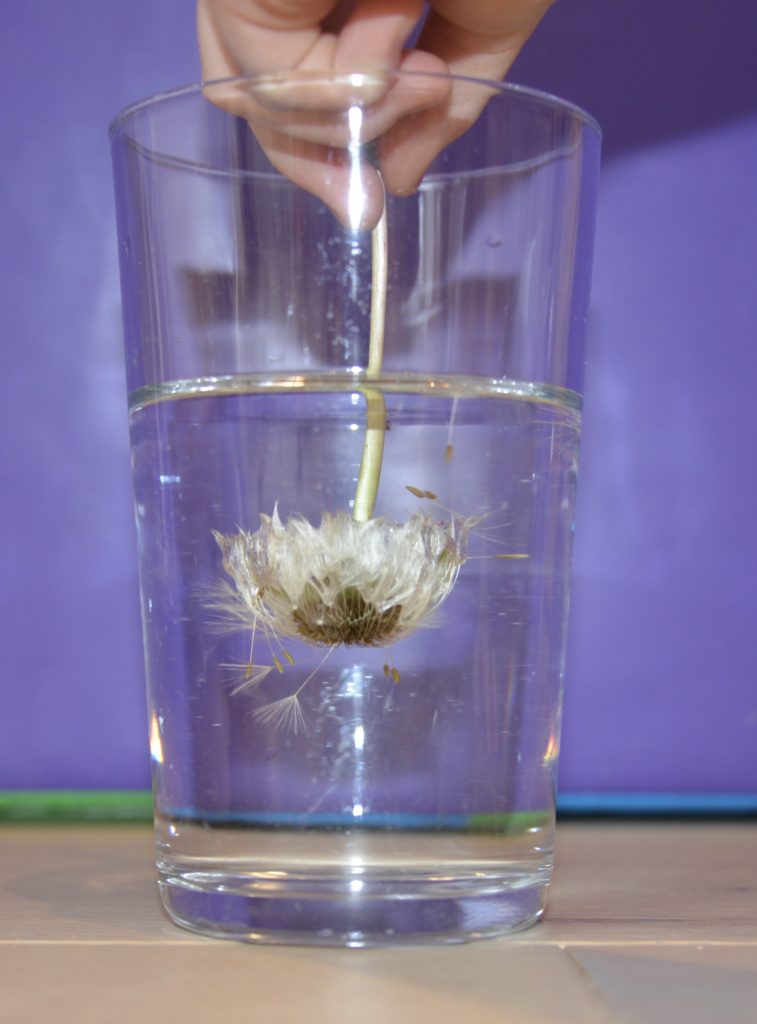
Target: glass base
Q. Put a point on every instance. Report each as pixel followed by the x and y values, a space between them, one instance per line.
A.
pixel 354 913
pixel 347 886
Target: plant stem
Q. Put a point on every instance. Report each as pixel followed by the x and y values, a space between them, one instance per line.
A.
pixel 373 443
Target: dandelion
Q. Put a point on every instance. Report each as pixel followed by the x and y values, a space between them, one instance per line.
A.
pixel 354 580
pixel 358 584
pixel 364 584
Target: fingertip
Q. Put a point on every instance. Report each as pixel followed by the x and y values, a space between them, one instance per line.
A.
pixel 357 207
pixel 406 151
pixel 404 189
pixel 351 189
pixel 410 145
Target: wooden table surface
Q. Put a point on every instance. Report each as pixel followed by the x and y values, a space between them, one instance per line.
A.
pixel 647 922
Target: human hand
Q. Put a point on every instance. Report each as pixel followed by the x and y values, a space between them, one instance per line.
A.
pixel 476 38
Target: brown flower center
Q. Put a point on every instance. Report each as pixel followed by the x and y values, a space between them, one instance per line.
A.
pixel 349 619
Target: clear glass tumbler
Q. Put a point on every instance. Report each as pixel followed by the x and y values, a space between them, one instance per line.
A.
pixel 355 411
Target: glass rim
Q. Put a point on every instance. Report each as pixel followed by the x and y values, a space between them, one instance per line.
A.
pixel 503 88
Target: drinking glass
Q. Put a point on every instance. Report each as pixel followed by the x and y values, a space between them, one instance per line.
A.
pixel 355 406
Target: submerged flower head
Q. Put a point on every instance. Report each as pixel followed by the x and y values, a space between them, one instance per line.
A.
pixel 344 582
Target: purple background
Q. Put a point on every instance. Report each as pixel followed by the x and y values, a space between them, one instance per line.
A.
pixel 663 662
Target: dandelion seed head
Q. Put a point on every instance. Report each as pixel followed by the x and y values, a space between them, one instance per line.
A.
pixel 345 582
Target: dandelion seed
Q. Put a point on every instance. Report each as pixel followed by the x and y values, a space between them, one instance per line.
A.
pixel 396 675
pixel 253 675
pixel 418 493
pixel 286 714
pixel 448 451
pixel 288 656
pixel 387 670
pixel 277 663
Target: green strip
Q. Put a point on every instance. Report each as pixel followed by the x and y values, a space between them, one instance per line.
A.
pixel 53 805
pixel 75 806
pixel 136 805
pixel 515 821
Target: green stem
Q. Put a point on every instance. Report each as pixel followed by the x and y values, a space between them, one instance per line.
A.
pixel 375 429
